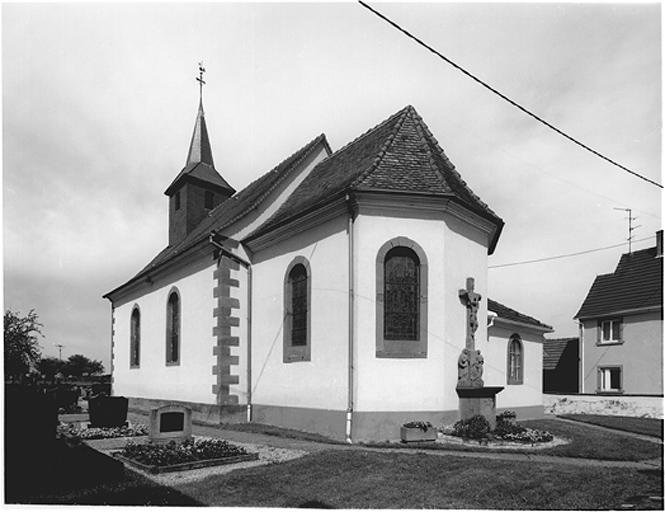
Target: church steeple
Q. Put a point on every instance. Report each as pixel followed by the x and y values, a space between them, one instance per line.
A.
pixel 198 188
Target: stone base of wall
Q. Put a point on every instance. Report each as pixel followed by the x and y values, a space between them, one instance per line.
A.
pixel 204 414
pixel 637 406
pixel 367 425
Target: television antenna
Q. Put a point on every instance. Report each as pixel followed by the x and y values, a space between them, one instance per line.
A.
pixel 631 228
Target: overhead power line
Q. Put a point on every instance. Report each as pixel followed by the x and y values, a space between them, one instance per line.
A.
pixel 506 98
pixel 566 255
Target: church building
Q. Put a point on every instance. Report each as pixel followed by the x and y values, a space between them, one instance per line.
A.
pixel 324 296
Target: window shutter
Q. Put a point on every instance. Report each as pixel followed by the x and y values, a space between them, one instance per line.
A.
pixel 598 379
pixel 620 329
pixel 599 331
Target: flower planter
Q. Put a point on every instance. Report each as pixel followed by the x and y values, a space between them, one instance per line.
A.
pixel 410 435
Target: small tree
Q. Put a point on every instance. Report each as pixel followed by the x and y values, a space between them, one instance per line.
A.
pixel 49 366
pixel 22 349
pixel 79 365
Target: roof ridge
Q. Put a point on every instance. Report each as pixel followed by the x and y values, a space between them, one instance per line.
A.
pixel 432 164
pixel 307 149
pixel 384 148
pixel 449 164
pixel 367 132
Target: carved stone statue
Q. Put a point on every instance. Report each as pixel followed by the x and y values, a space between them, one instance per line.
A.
pixel 470 362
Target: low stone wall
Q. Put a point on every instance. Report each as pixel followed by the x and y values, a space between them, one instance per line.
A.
pixel 637 406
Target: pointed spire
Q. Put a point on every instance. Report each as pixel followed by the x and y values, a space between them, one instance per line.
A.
pixel 199 147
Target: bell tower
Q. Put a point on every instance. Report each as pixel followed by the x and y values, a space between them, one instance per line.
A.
pixel 198 188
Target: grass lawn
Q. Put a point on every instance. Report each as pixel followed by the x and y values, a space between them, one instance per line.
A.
pixel 647 426
pixel 586 443
pixel 358 479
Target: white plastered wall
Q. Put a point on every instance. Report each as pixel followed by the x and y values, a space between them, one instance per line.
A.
pixel 495 352
pixel 320 383
pixel 454 251
pixel 192 379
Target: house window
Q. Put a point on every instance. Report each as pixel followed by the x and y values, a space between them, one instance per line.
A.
pixel 207 200
pixel 135 338
pixel 609 331
pixel 177 200
pixel 515 360
pixel 401 300
pixel 610 379
pixel 297 304
pixel 173 329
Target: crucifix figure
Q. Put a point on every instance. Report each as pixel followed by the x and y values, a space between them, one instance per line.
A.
pixel 470 362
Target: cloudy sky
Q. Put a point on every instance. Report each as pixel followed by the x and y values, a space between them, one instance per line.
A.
pixel 99 102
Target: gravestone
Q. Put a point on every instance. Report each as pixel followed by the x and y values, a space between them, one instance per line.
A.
pixel 170 423
pixel 474 397
pixel 108 411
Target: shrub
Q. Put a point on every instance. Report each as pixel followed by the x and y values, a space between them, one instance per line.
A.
pixel 187 451
pixel 476 427
pixel 528 435
pixel 505 425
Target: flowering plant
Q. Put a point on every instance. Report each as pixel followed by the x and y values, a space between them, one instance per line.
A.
pixel 422 425
pixel 71 430
pixel 187 451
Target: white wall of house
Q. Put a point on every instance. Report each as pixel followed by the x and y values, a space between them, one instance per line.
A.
pixel 495 352
pixel 640 354
pixel 320 383
pixel 192 379
pixel 455 251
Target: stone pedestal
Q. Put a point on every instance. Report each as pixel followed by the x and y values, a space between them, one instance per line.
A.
pixel 479 400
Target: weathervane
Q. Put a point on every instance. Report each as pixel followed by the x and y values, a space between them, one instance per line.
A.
pixel 200 80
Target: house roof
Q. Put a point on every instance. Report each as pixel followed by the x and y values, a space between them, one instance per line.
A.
pixel 553 349
pixel 637 283
pixel 399 155
pixel 199 165
pixel 238 205
pixel 513 315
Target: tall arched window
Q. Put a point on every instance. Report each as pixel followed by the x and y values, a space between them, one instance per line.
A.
pixel 135 338
pixel 401 293
pixel 515 360
pixel 173 329
pixel 297 303
pixel 401 299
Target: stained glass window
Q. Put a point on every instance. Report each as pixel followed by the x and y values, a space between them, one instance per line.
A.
pixel 401 294
pixel 173 329
pixel 135 338
pixel 298 284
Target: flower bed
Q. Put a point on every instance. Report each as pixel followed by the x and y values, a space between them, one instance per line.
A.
pixel 157 458
pixel 72 431
pixel 477 427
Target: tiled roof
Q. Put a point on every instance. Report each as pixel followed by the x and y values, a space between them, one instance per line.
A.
pixel 554 349
pixel 238 205
pixel 510 314
pixel 400 154
pixel 636 283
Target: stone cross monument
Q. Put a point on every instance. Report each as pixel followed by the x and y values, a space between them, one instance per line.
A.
pixel 470 362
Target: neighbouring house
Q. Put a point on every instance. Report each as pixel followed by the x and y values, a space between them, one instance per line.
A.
pixel 324 295
pixel 621 327
pixel 561 367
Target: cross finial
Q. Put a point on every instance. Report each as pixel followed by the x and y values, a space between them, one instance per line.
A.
pixel 200 80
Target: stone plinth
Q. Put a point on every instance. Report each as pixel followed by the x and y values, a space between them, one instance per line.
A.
pixel 477 400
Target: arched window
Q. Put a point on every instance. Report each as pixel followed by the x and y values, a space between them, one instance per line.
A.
pixel 401 293
pixel 173 329
pixel 297 297
pixel 515 360
pixel 401 305
pixel 135 338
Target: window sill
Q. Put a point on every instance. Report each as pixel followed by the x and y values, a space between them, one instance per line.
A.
pixel 606 343
pixel 401 355
pixel 172 363
pixel 134 367
pixel 515 383
pixel 609 392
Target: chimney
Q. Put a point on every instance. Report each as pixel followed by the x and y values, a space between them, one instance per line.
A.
pixel 659 243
